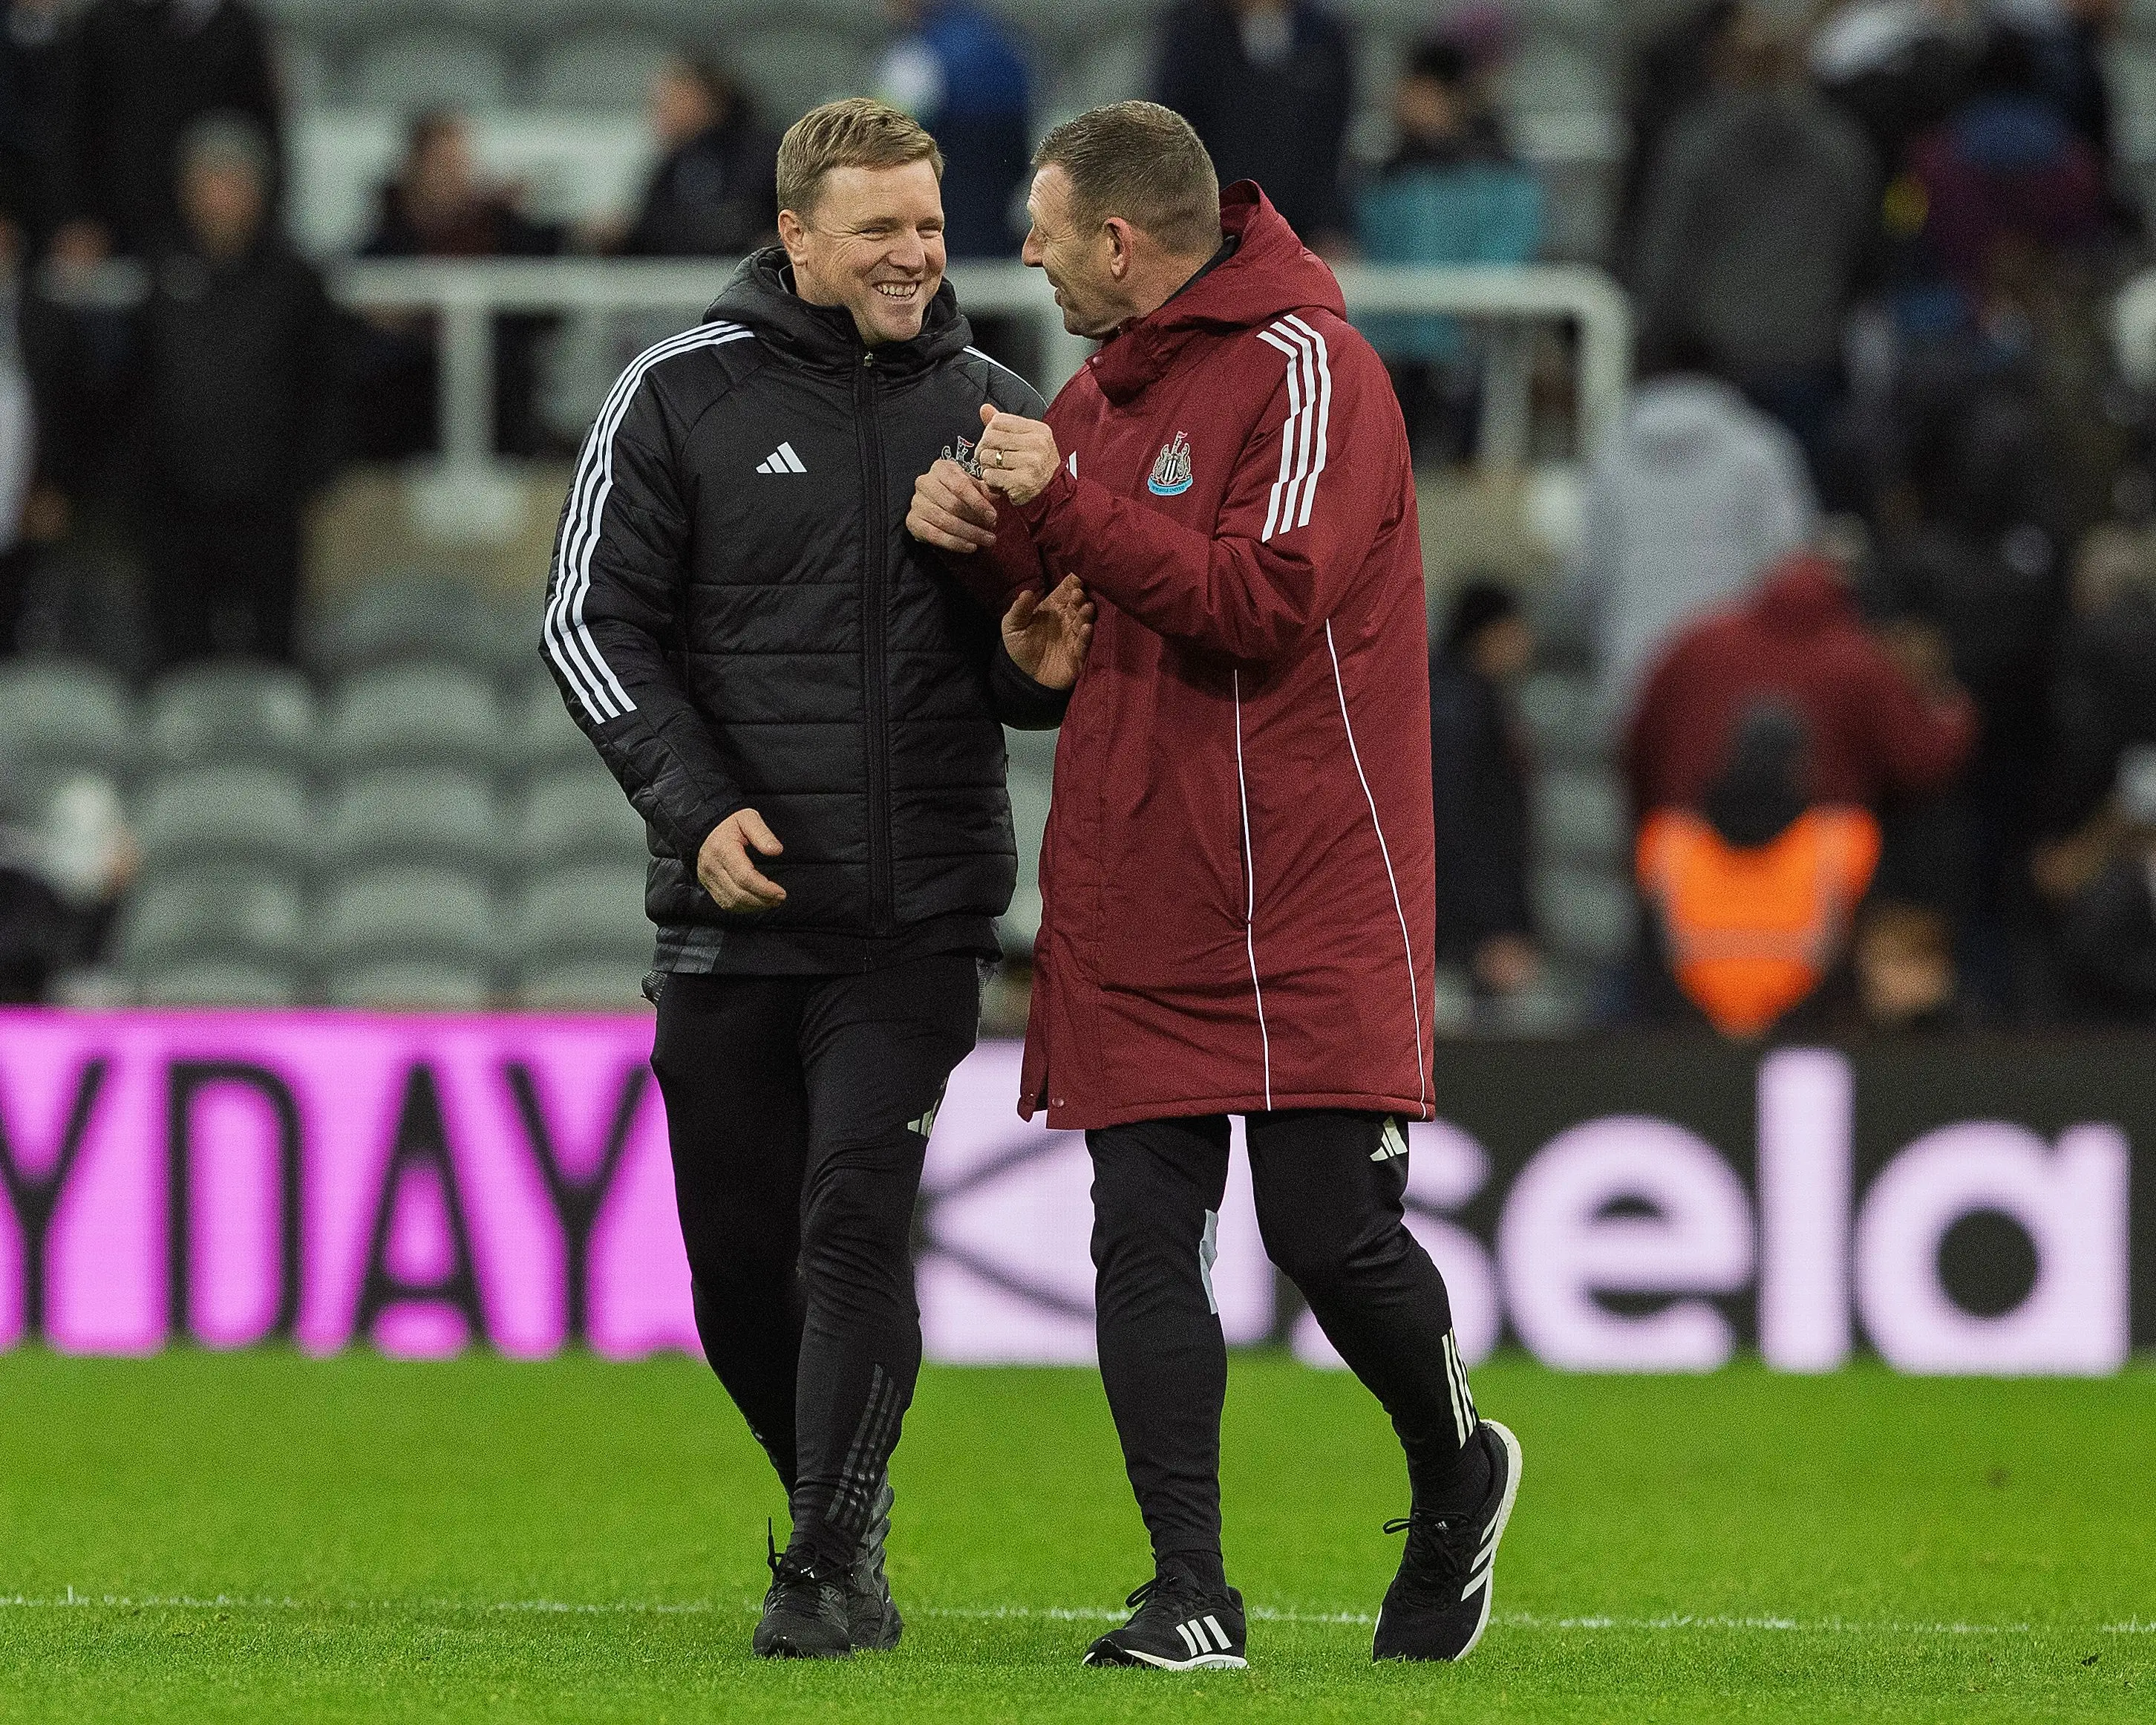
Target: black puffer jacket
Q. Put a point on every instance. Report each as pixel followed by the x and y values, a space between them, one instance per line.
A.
pixel 738 618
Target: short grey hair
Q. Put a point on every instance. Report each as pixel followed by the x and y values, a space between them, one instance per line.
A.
pixel 1145 163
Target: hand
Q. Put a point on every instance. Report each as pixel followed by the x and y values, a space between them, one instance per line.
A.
pixel 724 867
pixel 1048 638
pixel 1018 455
pixel 952 510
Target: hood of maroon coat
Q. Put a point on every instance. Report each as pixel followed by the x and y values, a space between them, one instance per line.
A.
pixel 1271 272
pixel 1805 593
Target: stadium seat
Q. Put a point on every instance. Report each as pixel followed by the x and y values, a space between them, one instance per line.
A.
pixel 407 617
pixel 233 712
pixel 589 911
pixel 1586 914
pixel 219 981
pixel 416 69
pixel 603 68
pixel 413 714
pixel 579 815
pixel 431 814
pixel 406 911
pixel 58 716
pixel 237 914
pixel 1580 817
pixel 418 984
pixel 573 985
pixel 245 814
pixel 791 71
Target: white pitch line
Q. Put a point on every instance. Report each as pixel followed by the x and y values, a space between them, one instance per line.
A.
pixel 73 1600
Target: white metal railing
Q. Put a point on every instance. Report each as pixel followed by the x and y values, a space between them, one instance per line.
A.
pixel 467 295
pixel 2133 330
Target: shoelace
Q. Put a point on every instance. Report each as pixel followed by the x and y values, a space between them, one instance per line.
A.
pixel 1169 1592
pixel 1434 1547
pixel 788 1569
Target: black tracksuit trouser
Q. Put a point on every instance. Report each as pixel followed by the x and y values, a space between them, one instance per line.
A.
pixel 798 1109
pixel 1330 1189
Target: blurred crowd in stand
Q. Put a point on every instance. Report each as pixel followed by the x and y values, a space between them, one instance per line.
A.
pixel 1865 577
pixel 1862 591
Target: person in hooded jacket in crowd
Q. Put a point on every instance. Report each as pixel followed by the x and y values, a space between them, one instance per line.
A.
pixel 1695 496
pixel 141 74
pixel 241 387
pixel 1237 876
pixel 1874 730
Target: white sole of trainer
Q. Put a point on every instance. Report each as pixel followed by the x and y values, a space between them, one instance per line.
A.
pixel 1512 1463
pixel 1203 1662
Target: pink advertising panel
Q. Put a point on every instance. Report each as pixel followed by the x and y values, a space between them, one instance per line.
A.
pixel 423 1184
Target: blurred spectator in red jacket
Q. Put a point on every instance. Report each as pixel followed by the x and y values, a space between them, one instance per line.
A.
pixel 1882 719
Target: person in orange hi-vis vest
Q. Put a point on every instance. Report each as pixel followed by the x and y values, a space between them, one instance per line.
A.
pixel 1755 894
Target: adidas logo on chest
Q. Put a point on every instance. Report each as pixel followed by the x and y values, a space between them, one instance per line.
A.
pixel 782 459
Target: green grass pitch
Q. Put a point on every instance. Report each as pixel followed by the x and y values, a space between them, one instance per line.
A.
pixel 261 1536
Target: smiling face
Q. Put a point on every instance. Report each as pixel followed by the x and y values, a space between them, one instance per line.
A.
pixel 871 241
pixel 1077 258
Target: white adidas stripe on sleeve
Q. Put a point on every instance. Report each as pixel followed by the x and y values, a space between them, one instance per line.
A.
pixel 1303 433
pixel 1324 415
pixel 567 638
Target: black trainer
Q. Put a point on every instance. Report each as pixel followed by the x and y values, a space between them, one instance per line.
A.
pixel 872 1620
pixel 804 1614
pixel 1439 1603
pixel 1178 1627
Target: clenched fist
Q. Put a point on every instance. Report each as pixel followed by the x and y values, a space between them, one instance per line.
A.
pixel 1018 455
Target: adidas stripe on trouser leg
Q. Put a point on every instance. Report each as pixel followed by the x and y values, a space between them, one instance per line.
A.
pixel 796 1167
pixel 1334 1220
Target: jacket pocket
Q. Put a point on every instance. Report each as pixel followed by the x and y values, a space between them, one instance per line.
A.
pixel 1172 905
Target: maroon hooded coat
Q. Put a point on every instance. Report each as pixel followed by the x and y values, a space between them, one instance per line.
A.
pixel 1873 733
pixel 1238 876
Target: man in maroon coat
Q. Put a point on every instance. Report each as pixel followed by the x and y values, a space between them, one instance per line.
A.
pixel 1237 874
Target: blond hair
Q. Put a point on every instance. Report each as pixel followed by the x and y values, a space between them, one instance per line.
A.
pixel 857 132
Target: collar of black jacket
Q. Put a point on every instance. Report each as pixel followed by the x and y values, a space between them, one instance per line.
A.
pixel 762 296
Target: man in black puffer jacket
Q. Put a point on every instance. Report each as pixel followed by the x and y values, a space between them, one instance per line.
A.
pixel 805 710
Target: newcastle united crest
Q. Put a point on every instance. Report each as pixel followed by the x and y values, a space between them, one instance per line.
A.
pixel 1171 473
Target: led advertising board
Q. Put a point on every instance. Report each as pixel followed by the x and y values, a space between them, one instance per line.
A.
pixel 422 1184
